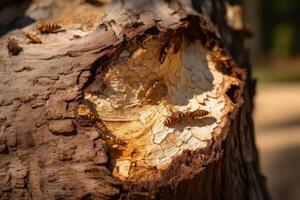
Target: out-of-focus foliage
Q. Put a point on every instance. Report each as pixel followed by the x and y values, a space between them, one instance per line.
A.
pixel 280 27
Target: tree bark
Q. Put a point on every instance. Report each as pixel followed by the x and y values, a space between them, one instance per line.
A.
pixel 109 109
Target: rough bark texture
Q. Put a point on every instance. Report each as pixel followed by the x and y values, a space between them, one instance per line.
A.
pixel 48 151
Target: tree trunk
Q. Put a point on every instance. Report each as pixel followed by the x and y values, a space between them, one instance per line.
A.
pixel 153 101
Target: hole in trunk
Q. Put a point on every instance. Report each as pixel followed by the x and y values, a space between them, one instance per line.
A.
pixel 144 86
pixel 233 92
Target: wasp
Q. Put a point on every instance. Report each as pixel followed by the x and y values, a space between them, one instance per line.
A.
pixel 86 113
pixel 115 142
pixel 152 89
pixel 101 126
pixel 222 58
pixel 198 113
pixel 13 47
pixel 33 38
pixel 175 117
pixel 223 62
pixel 107 135
pixel 163 52
pixel 155 93
pixel 111 139
pixel 219 58
pixel 48 27
pixel 191 116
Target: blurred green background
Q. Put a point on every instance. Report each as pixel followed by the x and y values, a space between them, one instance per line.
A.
pixel 275 55
pixel 281 23
pixel 276 42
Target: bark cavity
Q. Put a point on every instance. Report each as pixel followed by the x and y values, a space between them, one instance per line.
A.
pixel 144 86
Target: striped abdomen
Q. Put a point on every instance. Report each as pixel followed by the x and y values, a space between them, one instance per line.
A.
pixel 174 118
pixel 48 27
pixel 151 90
pixel 101 126
pixel 199 113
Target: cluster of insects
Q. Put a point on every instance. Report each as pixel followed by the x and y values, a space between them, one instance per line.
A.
pixel 43 28
pixel 85 113
pixel 178 117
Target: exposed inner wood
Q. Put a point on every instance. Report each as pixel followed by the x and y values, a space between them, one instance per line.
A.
pixel 114 95
pixel 144 86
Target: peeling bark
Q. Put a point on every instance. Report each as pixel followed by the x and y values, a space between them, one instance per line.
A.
pixel 83 114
